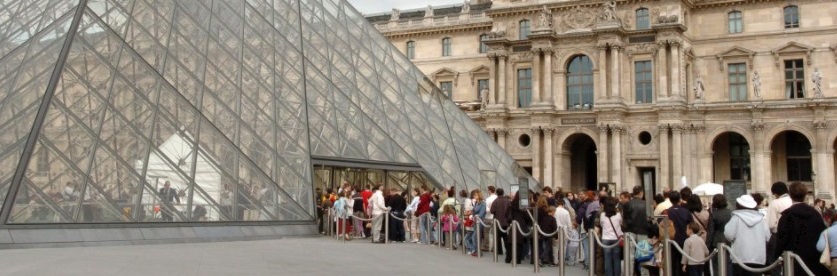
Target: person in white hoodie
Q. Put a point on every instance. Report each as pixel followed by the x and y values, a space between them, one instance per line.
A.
pixel 748 232
pixel 379 209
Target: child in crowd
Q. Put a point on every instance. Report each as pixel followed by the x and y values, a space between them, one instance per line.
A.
pixel 695 248
pixel 449 222
pixel 572 245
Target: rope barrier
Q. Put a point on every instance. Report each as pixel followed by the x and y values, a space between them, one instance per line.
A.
pixel 709 257
pixel 397 218
pixel 366 220
pixel 750 269
pixel 482 223
pixel 504 231
pixel 545 234
pixel 520 230
pixel 802 264
pixel 581 237
pixel 599 241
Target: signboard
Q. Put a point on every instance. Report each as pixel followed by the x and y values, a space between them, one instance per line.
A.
pixel 523 192
pixel 578 121
pixel 734 189
pixel 609 187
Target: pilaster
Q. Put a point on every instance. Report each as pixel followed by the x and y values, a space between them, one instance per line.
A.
pixel 548 157
pixel 665 173
pixel 601 150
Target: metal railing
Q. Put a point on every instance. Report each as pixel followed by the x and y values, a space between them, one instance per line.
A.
pixel 514 231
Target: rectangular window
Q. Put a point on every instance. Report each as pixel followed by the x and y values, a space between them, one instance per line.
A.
pixel 737 78
pixel 791 17
pixel 524 87
pixel 483 46
pixel 447 88
pixel 735 23
pixel 481 84
pixel 794 79
pixel 644 88
pixel 446 47
pixel 411 50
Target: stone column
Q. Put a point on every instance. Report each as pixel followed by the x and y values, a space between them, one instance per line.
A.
pixel 662 70
pixel 548 157
pixel 824 174
pixel 760 177
pixel 564 168
pixel 561 85
pixel 665 175
pixel 688 142
pixel 677 154
pixel 704 170
pixel 501 137
pixel 675 70
pixel 615 57
pixel 617 157
pixel 535 133
pixel 502 94
pixel 492 79
pixel 547 77
pixel 536 76
pixel 602 85
pixel 601 150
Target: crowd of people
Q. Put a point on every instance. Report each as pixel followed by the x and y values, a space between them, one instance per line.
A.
pixel 756 231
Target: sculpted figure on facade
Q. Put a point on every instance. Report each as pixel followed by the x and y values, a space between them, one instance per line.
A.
pixel 579 18
pixel 545 18
pixel 466 7
pixel 757 84
pixel 428 12
pixel 699 88
pixel 816 77
pixel 396 14
pixel 498 30
pixel 609 11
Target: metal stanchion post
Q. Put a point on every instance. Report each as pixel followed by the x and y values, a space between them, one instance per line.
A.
pixel 626 252
pixel 722 260
pixel 787 263
pixel 513 232
pixel 591 255
pixel 439 232
pixel 386 226
pixel 494 229
pixel 462 227
pixel 449 239
pixel 345 231
pixel 536 243
pixel 561 249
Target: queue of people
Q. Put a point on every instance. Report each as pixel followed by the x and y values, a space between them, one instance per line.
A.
pixel 756 232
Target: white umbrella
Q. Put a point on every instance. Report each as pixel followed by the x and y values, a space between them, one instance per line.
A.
pixel 684 182
pixel 708 189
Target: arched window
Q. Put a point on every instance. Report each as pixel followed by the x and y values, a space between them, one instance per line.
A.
pixel 791 17
pixel 483 46
pixel 411 49
pixel 580 83
pixel 643 21
pixel 524 29
pixel 735 22
pixel 446 47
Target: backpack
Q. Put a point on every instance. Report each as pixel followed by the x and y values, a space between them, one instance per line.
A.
pixel 644 251
pixel 590 220
pixel 340 208
pixel 434 210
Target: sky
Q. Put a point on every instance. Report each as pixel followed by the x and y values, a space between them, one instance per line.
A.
pixel 377 6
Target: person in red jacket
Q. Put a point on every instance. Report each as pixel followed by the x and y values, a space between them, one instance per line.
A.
pixel 424 220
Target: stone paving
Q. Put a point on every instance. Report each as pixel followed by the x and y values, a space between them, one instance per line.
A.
pixel 291 256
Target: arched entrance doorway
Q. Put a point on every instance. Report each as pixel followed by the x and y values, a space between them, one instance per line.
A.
pixel 791 158
pixel 731 158
pixel 579 162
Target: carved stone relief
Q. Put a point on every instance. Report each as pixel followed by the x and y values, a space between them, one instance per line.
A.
pixel 579 18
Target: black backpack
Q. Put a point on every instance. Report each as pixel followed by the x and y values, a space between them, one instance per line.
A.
pixel 434 211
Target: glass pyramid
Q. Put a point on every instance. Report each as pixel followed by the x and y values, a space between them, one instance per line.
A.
pixel 104 102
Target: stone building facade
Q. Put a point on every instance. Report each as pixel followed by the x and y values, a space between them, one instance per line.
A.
pixel 629 92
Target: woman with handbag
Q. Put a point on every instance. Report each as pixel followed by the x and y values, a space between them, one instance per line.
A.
pixel 827 244
pixel 611 222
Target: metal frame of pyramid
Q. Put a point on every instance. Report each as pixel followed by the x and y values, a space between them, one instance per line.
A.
pixel 104 100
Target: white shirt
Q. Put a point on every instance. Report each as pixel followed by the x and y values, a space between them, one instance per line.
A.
pixel 562 217
pixel 608 231
pixel 377 202
pixel 488 201
pixel 775 209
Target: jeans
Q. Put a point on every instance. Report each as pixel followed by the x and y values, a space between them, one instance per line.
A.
pixel 611 258
pixel 471 241
pixel 737 270
pixel 694 270
pixel 546 250
pixel 425 229
pixel 585 246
